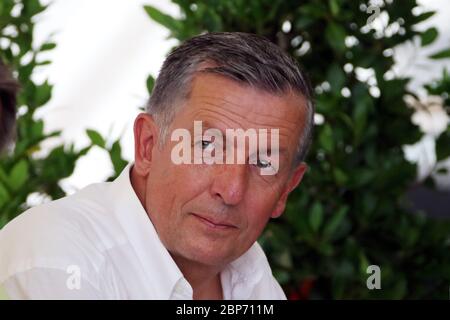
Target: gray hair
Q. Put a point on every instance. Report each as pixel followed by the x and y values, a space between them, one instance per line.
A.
pixel 245 58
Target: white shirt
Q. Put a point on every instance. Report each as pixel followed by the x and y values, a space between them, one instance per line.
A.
pixel 100 244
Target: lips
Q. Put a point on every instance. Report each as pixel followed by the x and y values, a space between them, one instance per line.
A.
pixel 213 223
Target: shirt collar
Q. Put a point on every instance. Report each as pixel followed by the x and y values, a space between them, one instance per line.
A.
pixel 161 271
pixel 238 278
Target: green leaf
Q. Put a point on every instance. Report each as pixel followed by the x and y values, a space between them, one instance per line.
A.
pixel 424 16
pixel 335 35
pixel 363 104
pixel 360 114
pixel 4 195
pixel 303 22
pixel 150 84
pixel 19 175
pixel 394 89
pixel 48 46
pixel 340 177
pixel 213 21
pixel 336 78
pixel 32 7
pixel 334 7
pixel 84 151
pixel 281 275
pixel 284 259
pixel 162 18
pixel 443 146
pixel 335 221
pixel 37 129
pixel 313 10
pixel 116 157
pixel 441 54
pixel 43 63
pixel 43 93
pixel 96 138
pixel 316 216
pixel 429 36
pixel 326 138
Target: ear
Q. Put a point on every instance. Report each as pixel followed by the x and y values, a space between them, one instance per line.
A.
pixel 145 139
pixel 292 183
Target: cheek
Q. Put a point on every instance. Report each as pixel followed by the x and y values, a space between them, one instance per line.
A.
pixel 259 209
pixel 171 186
pixel 160 187
pixel 266 197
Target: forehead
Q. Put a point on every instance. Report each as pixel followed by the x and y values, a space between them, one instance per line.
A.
pixel 230 104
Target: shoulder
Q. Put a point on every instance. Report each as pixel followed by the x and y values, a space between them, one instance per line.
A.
pixel 72 231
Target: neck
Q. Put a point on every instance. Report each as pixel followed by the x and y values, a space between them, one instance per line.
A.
pixel 205 280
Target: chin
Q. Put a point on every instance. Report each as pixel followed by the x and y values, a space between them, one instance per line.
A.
pixel 208 254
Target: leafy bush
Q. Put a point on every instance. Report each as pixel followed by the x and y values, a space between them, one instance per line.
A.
pixel 25 170
pixel 350 211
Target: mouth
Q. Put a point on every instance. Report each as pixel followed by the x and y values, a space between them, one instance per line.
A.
pixel 214 224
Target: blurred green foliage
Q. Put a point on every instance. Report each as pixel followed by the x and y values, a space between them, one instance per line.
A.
pixel 441 87
pixel 26 170
pixel 350 210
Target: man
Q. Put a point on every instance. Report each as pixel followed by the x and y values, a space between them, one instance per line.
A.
pixel 8 90
pixel 171 230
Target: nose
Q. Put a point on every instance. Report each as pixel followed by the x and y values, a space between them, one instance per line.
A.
pixel 230 183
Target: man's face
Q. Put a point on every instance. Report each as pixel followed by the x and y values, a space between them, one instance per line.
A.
pixel 212 214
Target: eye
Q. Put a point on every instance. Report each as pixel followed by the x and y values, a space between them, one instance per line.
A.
pixel 263 164
pixel 206 144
